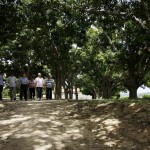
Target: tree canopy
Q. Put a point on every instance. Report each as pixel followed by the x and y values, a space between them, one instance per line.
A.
pixel 103 47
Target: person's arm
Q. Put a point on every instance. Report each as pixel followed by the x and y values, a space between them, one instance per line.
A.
pixel 27 81
pixel 52 84
pixel 44 83
pixel 18 81
pixel 35 82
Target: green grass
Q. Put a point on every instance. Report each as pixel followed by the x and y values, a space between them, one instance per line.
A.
pixel 147 97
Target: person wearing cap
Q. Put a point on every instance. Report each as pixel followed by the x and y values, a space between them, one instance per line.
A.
pixel 49 87
pixel 23 86
pixel 1 85
pixel 39 81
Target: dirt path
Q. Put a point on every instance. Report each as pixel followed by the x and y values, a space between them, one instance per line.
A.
pixel 59 125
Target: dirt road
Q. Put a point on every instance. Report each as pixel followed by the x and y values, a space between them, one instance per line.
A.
pixel 61 125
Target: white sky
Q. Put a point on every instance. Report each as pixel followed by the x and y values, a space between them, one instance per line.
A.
pixel 145 90
pixel 139 91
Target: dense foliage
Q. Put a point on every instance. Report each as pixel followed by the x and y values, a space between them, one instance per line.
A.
pixel 100 46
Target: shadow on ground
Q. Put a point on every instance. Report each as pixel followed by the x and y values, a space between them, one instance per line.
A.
pixel 63 125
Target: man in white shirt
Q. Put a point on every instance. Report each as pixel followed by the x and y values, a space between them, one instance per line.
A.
pixel 12 80
pixel 1 85
pixel 39 81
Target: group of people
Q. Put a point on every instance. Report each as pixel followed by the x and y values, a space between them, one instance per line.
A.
pixel 26 85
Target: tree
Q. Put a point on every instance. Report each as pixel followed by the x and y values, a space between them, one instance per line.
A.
pixel 125 27
pixel 41 33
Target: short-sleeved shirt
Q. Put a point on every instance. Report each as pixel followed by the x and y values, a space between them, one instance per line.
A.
pixel 32 84
pixel 12 81
pixel 39 82
pixel 23 80
pixel 49 83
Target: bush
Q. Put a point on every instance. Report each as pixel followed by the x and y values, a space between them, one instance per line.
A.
pixel 146 97
pixel 5 92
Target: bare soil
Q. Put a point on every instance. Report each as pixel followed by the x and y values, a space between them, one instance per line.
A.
pixel 74 125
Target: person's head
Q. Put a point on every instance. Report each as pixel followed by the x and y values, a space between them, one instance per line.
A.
pixel 49 76
pixel 11 74
pixel 24 75
pixel 39 75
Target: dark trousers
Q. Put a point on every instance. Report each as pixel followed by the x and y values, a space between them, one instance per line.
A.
pixel 39 92
pixel 48 93
pixel 32 93
pixel 1 90
pixel 23 91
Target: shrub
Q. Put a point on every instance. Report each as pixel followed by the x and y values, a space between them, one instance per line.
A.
pixel 146 97
pixel 5 92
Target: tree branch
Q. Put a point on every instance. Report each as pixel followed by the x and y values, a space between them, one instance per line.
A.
pixel 110 41
pixel 139 21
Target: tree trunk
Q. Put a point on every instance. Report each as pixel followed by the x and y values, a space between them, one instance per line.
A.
pixel 70 87
pixel 58 84
pixel 107 88
pixel 93 96
pixel 76 92
pixel 95 93
pixel 133 92
pixel 132 86
pixel 71 92
pixel 66 93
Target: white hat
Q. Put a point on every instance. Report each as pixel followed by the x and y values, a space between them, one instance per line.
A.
pixel 39 74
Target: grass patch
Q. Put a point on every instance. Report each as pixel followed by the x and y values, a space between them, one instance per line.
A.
pixel 146 97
